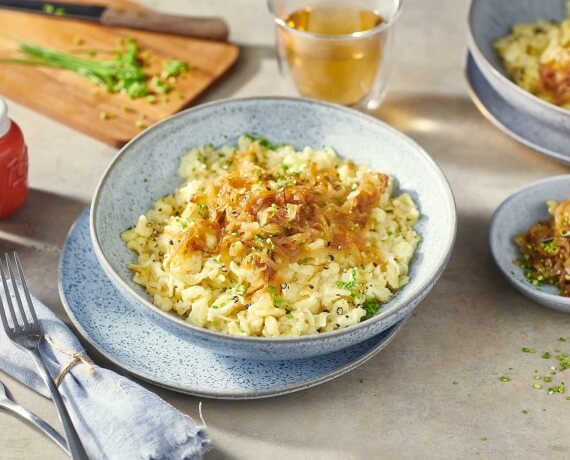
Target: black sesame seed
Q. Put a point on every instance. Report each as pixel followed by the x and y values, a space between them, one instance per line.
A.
pixel 311 286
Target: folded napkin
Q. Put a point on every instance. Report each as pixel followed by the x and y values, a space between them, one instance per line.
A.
pixel 115 417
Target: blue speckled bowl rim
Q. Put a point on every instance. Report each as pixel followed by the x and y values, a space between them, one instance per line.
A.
pixel 217 394
pixel 480 104
pixel 399 304
pixel 522 286
pixel 480 57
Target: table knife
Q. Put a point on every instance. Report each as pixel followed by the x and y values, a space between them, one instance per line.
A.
pixel 199 27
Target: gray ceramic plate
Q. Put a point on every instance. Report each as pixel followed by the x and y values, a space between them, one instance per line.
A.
pixel 515 215
pixel 520 126
pixel 120 330
pixel 145 169
pixel 492 19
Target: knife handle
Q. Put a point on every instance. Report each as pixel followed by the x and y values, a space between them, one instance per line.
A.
pixel 207 28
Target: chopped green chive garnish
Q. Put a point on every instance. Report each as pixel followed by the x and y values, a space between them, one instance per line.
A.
pixel 564 361
pixel 557 389
pixel 372 307
pixel 504 379
pixel 204 211
pixel 348 285
pixel 173 68
pixel 278 301
pixel 160 86
pixel 529 350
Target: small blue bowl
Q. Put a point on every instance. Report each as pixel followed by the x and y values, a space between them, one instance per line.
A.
pixel 514 216
pixel 145 169
pixel 489 20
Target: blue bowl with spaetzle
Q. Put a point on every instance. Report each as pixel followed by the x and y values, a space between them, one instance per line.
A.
pixel 521 49
pixel 273 228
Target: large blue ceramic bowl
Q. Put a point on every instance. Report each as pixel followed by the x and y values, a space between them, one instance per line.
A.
pixel 491 19
pixel 145 169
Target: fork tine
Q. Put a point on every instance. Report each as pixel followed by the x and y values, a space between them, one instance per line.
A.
pixel 25 321
pixel 9 298
pixel 25 288
pixel 3 313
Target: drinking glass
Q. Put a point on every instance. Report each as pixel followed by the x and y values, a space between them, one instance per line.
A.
pixel 350 69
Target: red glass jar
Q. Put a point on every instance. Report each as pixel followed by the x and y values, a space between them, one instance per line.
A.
pixel 13 164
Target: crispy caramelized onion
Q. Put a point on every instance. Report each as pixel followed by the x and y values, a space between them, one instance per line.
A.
pixel 272 224
pixel 556 82
pixel 545 249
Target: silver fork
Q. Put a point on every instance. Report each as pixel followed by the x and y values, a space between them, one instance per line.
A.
pixel 47 429
pixel 27 335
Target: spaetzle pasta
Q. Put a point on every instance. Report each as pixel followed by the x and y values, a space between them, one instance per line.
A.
pixel 263 240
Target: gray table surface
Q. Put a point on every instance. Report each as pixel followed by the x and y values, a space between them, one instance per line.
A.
pixel 402 403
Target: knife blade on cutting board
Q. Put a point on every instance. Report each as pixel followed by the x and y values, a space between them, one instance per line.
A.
pixel 198 27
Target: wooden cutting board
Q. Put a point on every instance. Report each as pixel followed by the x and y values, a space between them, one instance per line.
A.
pixel 75 101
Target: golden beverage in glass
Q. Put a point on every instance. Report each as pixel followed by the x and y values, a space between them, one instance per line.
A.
pixel 337 51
